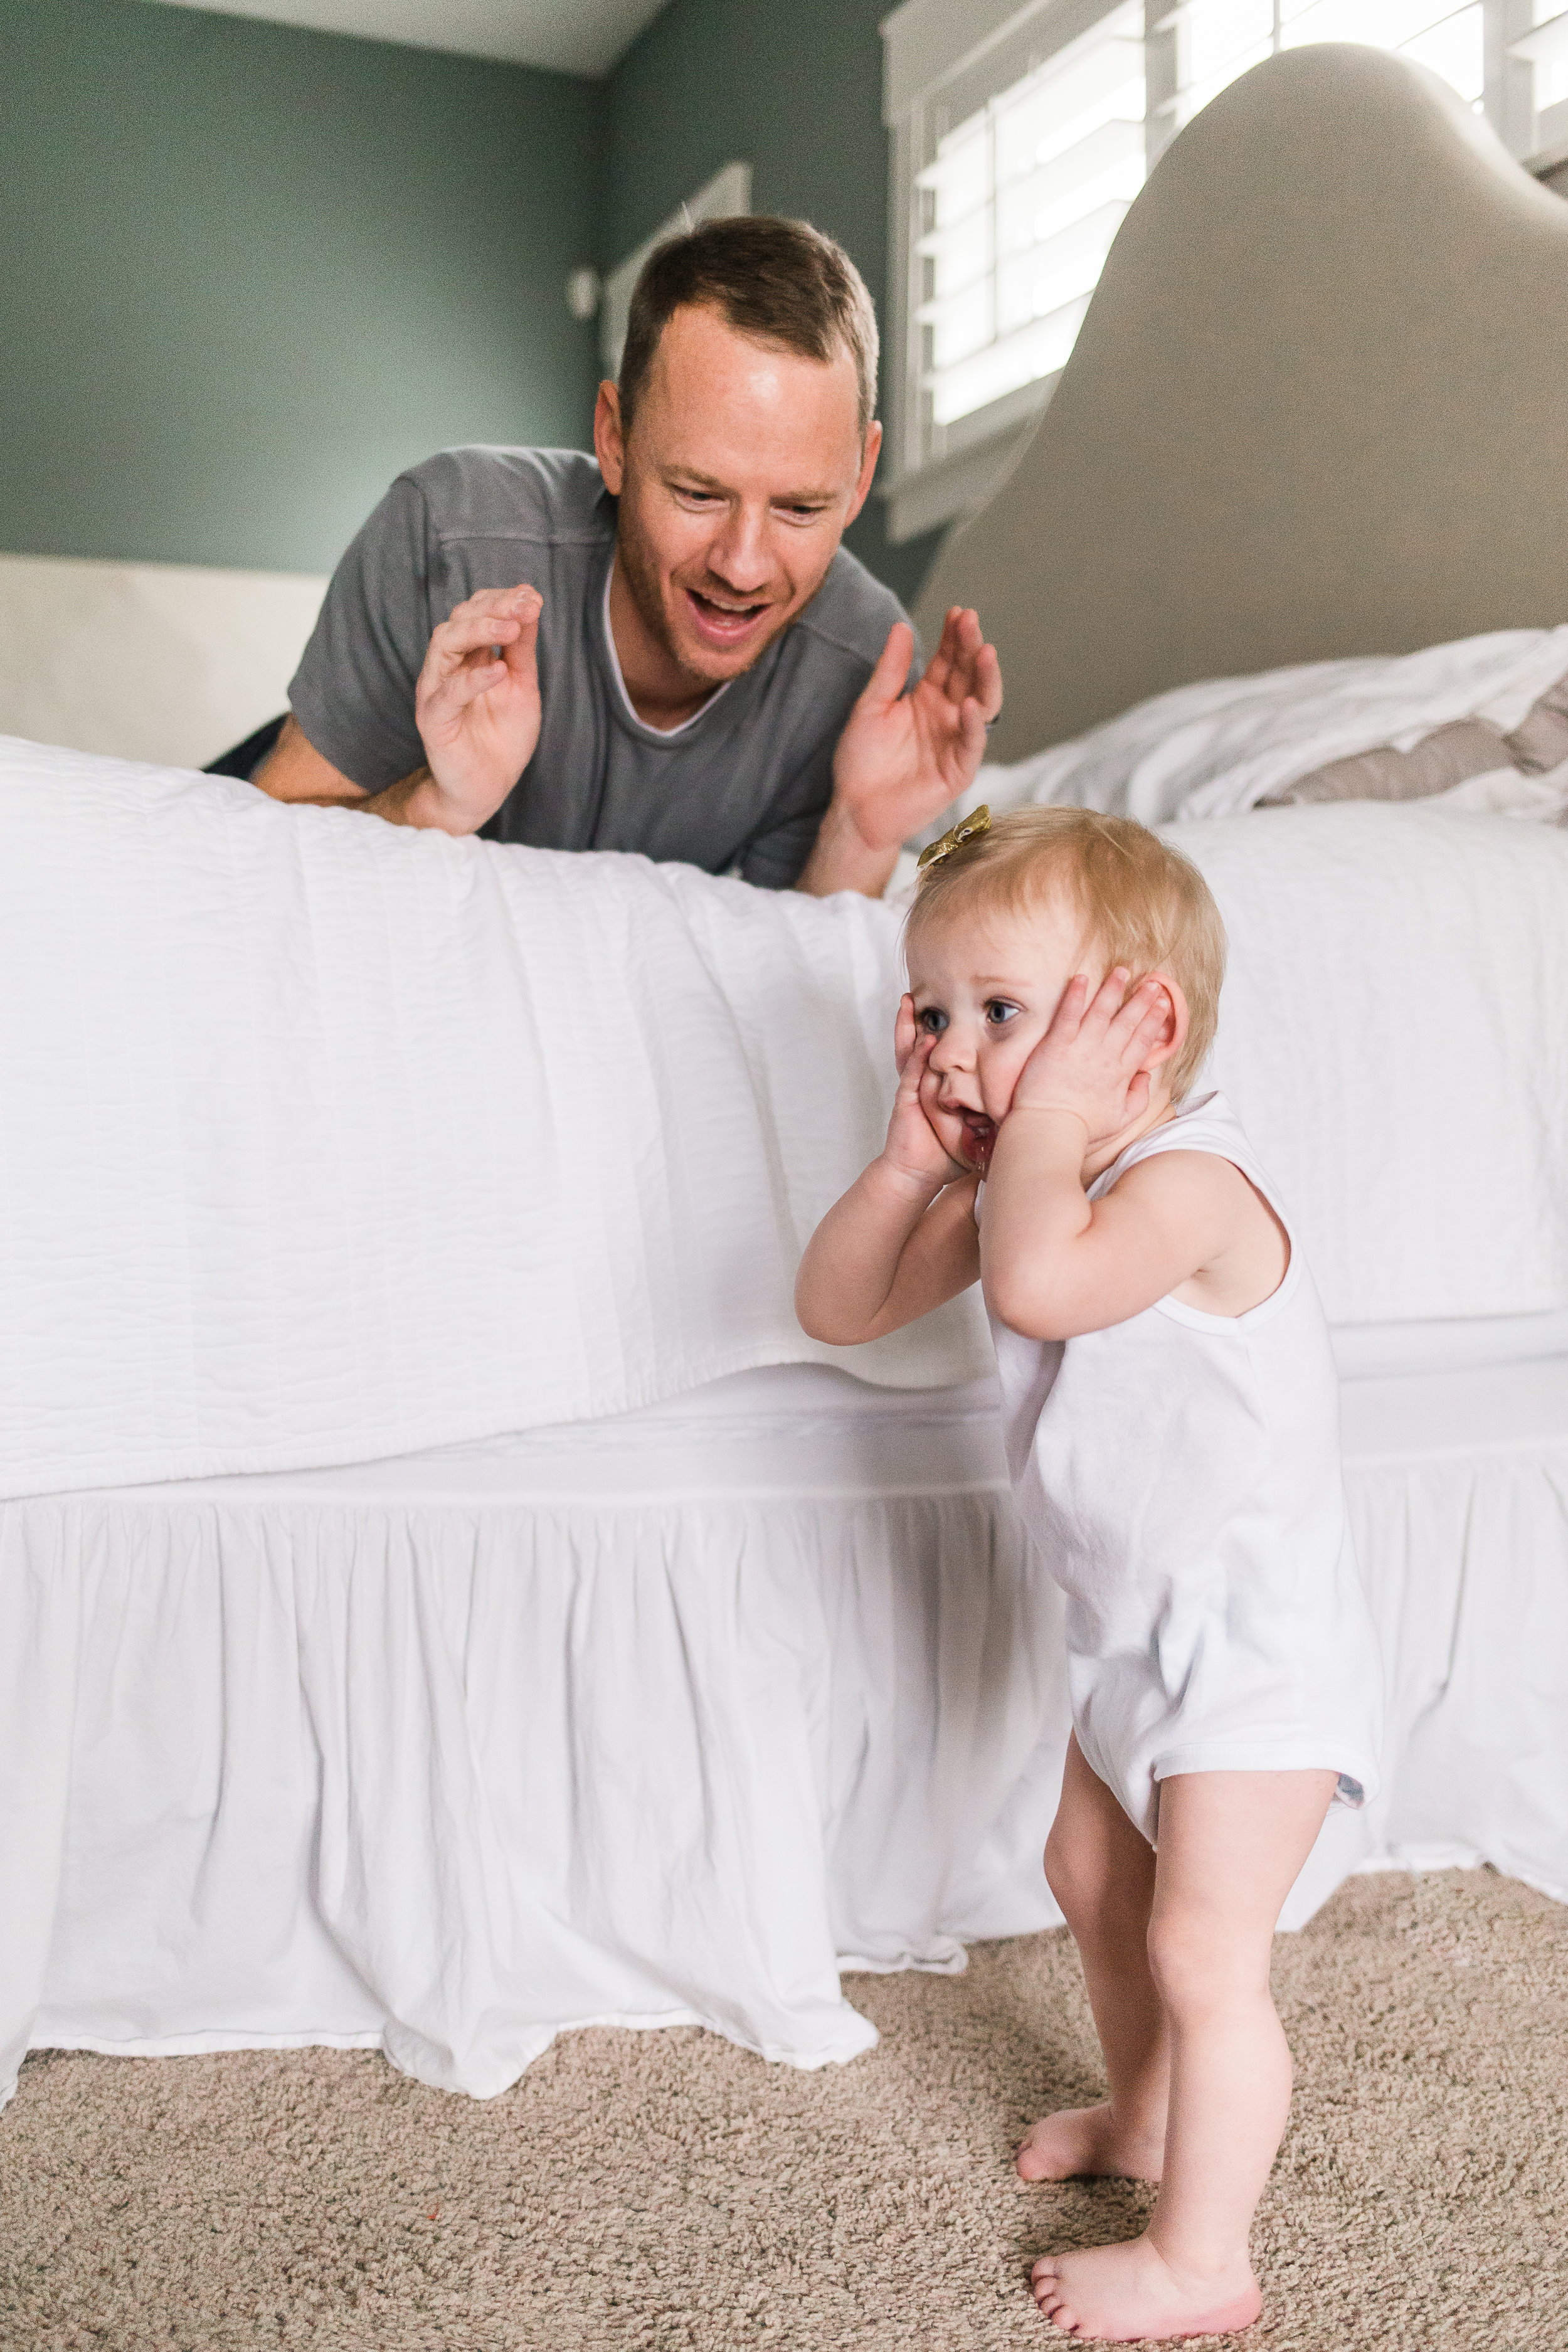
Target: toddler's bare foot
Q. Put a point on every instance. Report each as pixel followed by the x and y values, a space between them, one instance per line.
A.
pixel 1116 2295
pixel 1087 2140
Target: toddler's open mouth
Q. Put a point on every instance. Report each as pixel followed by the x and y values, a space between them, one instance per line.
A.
pixel 979 1136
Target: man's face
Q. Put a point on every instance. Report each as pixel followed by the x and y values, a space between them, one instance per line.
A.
pixel 742 468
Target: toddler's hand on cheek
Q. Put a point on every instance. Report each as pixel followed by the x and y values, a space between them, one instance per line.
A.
pixel 1090 1062
pixel 923 1141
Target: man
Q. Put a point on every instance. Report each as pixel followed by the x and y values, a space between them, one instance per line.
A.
pixel 668 650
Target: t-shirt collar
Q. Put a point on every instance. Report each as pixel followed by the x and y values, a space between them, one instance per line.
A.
pixel 659 734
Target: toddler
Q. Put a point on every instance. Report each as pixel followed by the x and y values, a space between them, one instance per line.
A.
pixel 1172 1421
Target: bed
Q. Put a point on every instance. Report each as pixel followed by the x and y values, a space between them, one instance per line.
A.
pixel 438 1647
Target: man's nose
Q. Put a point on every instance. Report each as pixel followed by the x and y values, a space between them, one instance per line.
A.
pixel 739 554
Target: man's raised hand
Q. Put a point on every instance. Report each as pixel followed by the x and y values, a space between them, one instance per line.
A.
pixel 903 756
pixel 476 701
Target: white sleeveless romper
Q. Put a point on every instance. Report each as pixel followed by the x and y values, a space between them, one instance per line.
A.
pixel 1180 1476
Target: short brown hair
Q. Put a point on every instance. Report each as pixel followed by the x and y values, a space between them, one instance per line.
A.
pixel 780 281
pixel 1143 904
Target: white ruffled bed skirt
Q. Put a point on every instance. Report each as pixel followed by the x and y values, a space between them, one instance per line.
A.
pixel 662 1722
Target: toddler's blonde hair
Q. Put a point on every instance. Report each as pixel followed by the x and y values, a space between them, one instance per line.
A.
pixel 1143 904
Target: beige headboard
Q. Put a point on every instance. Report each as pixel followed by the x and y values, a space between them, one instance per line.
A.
pixel 1319 406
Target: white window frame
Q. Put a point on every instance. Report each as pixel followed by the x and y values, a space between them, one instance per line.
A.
pixel 942 59
pixel 728 193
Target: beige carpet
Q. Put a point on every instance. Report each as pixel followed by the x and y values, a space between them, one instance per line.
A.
pixel 665 2190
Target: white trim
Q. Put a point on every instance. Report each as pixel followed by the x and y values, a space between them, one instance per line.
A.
pixel 941 58
pixel 960 484
pixel 926 40
pixel 171 663
pixel 729 192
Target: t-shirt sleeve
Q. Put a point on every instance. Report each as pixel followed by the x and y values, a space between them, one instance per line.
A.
pixel 776 860
pixel 353 690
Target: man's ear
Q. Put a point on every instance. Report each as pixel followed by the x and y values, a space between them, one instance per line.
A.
pixel 1167 1046
pixel 869 456
pixel 609 439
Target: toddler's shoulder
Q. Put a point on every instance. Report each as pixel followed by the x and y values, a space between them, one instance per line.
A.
pixel 1183 1188
pixel 1181 1173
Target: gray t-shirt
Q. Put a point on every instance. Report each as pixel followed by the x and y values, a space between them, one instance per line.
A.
pixel 743 784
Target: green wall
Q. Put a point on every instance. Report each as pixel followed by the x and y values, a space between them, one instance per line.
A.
pixel 794 88
pixel 247 273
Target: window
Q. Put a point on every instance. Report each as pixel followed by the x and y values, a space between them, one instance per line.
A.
pixel 1022 135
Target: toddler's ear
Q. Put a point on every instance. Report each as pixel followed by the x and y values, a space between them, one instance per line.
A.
pixel 1170 1039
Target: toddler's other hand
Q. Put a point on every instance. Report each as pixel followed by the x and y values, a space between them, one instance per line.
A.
pixel 1091 1059
pixel 923 1142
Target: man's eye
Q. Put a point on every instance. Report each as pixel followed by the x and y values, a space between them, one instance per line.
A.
pixel 933 1021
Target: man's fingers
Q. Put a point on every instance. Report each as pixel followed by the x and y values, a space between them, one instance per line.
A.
pixel 886 683
pixel 496 616
pixel 988 682
pixel 452 643
pixel 522 649
pixel 971 736
pixel 521 602
pixel 460 687
pixel 939 670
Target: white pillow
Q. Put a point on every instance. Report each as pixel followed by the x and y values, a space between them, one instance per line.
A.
pixel 1225 744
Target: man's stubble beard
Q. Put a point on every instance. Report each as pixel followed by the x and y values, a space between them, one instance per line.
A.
pixel 642 581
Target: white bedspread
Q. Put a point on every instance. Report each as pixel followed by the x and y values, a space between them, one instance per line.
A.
pixel 1393 1036
pixel 324 1141
pixel 327 1140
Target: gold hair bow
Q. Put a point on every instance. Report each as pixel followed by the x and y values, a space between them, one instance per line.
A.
pixel 958 837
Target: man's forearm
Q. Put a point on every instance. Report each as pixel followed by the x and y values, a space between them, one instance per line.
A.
pixel 841 860
pixel 418 800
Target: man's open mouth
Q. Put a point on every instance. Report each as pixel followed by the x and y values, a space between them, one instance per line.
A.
pixel 723 623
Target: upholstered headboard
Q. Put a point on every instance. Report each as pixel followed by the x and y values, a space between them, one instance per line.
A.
pixel 1319 406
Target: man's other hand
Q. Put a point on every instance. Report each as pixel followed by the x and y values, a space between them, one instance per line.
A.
pixel 903 756
pixel 477 706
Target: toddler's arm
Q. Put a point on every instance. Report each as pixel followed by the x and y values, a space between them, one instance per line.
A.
pixel 1054 1264
pixel 903 1240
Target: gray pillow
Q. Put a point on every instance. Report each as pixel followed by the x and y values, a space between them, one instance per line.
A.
pixel 1464 748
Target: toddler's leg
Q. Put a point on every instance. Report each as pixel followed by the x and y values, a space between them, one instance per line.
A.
pixel 1101 1872
pixel 1230 1845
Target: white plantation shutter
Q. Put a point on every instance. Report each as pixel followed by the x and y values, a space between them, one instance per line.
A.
pixel 1021 134
pixel 1020 204
pixel 1217 40
pixel 1539 51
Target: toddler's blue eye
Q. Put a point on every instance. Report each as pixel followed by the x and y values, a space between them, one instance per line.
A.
pixel 933 1020
pixel 999 1013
